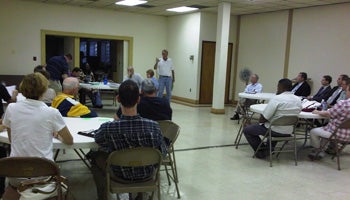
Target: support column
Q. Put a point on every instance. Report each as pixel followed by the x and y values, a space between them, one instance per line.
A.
pixel 222 33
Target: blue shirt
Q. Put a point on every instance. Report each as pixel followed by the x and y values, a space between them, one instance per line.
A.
pixel 130 132
pixel 154 108
pixel 253 88
pixel 57 66
pixel 155 82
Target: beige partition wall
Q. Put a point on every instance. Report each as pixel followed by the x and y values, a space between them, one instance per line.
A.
pixel 320 42
pixel 262 48
pixel 21 23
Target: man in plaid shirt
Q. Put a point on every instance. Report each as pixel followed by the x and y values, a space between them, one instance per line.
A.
pixel 129 131
pixel 337 114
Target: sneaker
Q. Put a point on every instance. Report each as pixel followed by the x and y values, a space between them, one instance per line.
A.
pixel 235 117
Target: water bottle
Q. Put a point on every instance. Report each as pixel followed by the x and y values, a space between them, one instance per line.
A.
pixel 323 104
pixel 105 80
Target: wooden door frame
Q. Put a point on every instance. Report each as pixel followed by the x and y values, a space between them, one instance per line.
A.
pixel 77 37
pixel 227 72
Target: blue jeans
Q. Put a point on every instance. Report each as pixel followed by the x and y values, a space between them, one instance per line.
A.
pixel 167 82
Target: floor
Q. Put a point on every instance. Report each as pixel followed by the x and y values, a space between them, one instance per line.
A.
pixel 210 167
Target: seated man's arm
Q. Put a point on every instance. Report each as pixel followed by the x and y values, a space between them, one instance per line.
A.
pixel 100 138
pixel 269 111
pixel 89 115
pixel 161 145
pixel 259 88
pixel 80 110
pixel 262 119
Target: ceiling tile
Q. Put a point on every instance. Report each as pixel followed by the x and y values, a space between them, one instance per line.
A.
pixel 238 6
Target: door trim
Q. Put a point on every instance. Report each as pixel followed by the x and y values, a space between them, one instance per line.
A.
pixel 44 32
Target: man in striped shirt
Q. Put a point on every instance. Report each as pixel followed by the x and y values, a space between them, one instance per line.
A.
pixel 130 131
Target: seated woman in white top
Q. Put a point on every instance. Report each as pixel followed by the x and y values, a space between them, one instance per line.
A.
pixel 31 124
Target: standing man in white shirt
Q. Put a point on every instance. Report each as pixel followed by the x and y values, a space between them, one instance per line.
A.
pixel 165 69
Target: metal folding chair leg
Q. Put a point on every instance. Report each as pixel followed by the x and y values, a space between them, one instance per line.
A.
pixel 239 134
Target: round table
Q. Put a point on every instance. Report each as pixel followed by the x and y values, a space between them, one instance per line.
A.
pixel 257 96
pixel 259 108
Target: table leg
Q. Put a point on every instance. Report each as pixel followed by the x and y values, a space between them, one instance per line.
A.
pixel 56 154
pixel 308 125
pixel 82 158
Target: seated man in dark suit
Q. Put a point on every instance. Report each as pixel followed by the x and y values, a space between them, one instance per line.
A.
pixel 301 87
pixel 323 91
pixel 336 91
pixel 151 106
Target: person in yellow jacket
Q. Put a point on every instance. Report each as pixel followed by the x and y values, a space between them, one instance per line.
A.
pixel 66 103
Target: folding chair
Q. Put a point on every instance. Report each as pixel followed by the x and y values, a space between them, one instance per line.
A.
pixel 247 116
pixel 339 145
pixel 286 120
pixel 30 167
pixel 171 131
pixel 134 157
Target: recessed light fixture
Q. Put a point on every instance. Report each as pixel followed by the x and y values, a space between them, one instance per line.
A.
pixel 130 2
pixel 182 9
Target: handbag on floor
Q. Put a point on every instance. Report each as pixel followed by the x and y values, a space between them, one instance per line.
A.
pixel 33 189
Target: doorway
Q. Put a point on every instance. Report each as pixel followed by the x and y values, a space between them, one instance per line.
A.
pixel 109 54
pixel 207 73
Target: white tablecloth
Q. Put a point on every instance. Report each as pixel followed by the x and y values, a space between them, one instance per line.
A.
pixel 100 86
pixel 259 108
pixel 258 96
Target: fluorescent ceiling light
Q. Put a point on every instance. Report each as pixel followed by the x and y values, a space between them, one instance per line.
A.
pixel 182 9
pixel 130 2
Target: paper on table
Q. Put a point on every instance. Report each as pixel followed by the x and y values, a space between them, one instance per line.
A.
pixel 9 89
pixel 310 104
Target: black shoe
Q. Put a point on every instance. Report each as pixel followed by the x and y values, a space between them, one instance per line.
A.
pixel 98 106
pixel 315 156
pixel 262 154
pixel 235 117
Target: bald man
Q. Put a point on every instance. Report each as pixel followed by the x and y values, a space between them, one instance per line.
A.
pixel 66 103
pixel 137 78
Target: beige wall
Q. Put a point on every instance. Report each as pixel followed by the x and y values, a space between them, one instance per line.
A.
pixel 21 22
pixel 183 40
pixel 321 42
pixel 262 47
pixel 186 33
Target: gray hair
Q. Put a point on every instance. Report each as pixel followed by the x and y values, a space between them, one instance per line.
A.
pixel 70 83
pixel 147 86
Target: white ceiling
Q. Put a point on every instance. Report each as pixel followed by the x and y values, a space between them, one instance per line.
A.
pixel 158 7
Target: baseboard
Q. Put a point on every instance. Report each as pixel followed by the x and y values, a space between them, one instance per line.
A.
pixel 195 103
pixel 217 111
pixel 185 101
